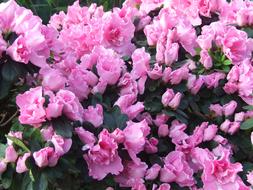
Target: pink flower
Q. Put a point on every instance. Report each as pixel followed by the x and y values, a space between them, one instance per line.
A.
pixel 61 145
pixel 178 75
pixel 127 85
pixel 212 80
pixel 132 174
pixel 72 107
pixel 10 154
pixel 85 136
pixel 156 72
pixel 52 79
pixel 217 109
pixel 194 83
pixel 47 133
pixel 109 65
pixel 220 172
pixel 103 158
pixel 118 135
pixel 3 166
pixel 250 178
pixel 236 45
pixel 117 33
pixel 140 63
pixel 163 130
pixel 135 137
pixel 94 115
pixel 139 186
pixel 31 106
pixel 128 106
pixel 176 169
pixel 153 172
pixel 205 59
pixel 229 108
pixel 169 98
pixel 81 81
pixel 210 132
pixel 45 157
pixel 151 145
pixel 54 108
pixel 187 36
pixel 21 166
pixel 171 53
pixel 160 119
pixel 164 186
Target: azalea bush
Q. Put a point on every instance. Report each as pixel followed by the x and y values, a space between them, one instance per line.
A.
pixel 149 95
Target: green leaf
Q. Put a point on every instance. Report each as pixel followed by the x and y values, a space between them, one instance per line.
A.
pixel 2 150
pixel 4 88
pixel 18 142
pixel 31 175
pixel 226 68
pixel 41 183
pixel 248 124
pixel 27 183
pixel 227 62
pixel 12 70
pixel 115 119
pixel 7 177
pixel 62 127
pixel 249 108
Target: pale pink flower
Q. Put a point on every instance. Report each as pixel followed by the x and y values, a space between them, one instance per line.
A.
pixel 176 169
pixel 103 158
pixel 153 172
pixel 85 136
pixel 45 157
pixel 10 154
pixel 61 145
pixel 31 106
pixel 94 115
pixel 133 173
pixel 21 166
pixel 72 107
pixel 3 166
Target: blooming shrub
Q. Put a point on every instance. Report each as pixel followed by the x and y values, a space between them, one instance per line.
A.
pixel 154 95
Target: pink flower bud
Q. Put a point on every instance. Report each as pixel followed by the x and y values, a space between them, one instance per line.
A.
pixel 10 154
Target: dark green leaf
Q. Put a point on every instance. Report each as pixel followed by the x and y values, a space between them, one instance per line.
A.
pixel 62 127
pixel 4 88
pixel 248 124
pixel 115 119
pixel 41 183
pixel 11 71
pixel 7 177
pixel 2 150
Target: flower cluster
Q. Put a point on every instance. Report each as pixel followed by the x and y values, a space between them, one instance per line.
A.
pixel 154 95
